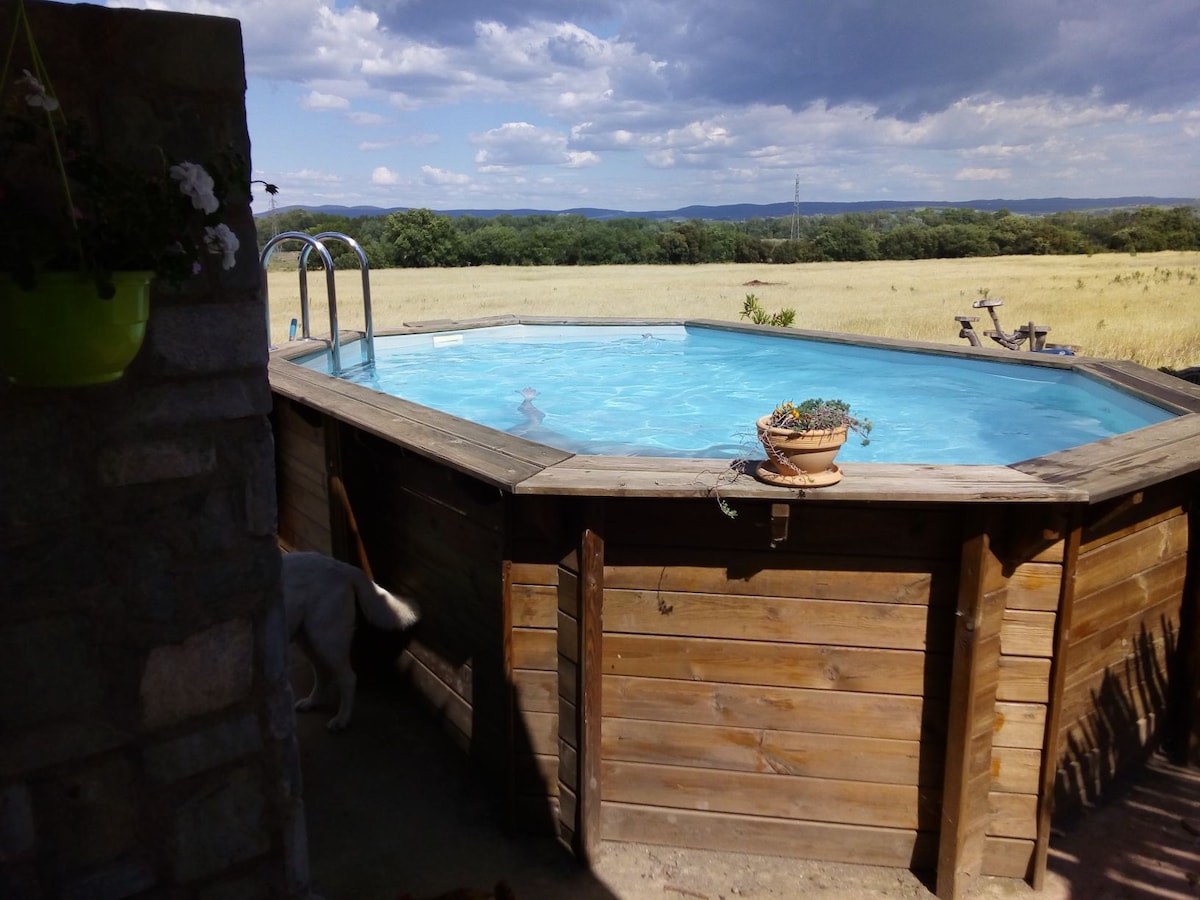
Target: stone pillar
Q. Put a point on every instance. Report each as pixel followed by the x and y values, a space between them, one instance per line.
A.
pixel 147 743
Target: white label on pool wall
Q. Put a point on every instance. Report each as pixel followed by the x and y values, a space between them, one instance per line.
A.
pixel 643 390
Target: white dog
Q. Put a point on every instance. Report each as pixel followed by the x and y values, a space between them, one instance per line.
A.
pixel 319 594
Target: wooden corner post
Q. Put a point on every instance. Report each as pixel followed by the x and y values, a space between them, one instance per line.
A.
pixel 972 714
pixel 1058 679
pixel 580 602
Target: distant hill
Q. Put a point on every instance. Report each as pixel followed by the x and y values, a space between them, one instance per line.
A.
pixel 741 212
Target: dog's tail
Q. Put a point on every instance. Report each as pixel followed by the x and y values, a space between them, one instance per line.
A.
pixel 382 608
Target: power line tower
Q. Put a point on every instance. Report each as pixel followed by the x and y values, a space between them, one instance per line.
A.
pixel 796 212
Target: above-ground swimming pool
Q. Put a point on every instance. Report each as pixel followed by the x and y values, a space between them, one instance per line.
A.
pixel 913 667
pixel 670 390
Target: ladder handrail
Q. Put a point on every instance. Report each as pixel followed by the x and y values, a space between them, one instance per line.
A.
pixel 369 336
pixel 310 243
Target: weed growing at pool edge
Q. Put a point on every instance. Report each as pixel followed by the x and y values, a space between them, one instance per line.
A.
pixel 752 310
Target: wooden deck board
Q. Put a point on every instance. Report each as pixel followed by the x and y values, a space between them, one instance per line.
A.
pixel 493 456
pixel 641 476
pixel 1159 385
pixel 1125 463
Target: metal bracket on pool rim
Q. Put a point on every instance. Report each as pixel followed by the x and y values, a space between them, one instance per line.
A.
pixel 780 515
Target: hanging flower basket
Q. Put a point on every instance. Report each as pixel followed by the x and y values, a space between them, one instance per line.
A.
pixel 87 226
pixel 61 334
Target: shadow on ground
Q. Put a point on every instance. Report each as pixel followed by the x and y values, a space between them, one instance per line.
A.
pixel 1143 842
pixel 393 809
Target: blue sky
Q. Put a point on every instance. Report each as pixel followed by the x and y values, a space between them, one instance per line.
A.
pixel 657 104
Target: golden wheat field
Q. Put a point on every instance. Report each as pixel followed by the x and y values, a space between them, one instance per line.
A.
pixel 1144 308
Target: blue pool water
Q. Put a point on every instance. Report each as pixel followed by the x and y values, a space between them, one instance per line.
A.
pixel 696 392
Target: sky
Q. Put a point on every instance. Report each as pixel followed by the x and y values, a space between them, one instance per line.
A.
pixel 644 105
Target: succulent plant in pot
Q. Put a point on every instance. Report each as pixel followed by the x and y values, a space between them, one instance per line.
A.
pixel 802 439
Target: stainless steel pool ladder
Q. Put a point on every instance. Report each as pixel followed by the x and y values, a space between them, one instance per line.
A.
pixel 316 242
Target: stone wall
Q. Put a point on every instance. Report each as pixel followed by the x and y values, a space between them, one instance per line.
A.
pixel 147 743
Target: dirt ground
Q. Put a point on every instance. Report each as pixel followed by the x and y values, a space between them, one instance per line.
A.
pixel 392 809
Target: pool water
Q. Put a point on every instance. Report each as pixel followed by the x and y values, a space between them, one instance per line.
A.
pixel 696 392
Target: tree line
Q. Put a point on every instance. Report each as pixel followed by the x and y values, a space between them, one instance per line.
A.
pixel 422 238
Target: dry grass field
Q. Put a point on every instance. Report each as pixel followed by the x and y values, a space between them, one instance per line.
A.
pixel 1144 308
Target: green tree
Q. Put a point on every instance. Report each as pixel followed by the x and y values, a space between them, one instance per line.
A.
pixel 845 239
pixel 492 245
pixel 419 238
pixel 908 241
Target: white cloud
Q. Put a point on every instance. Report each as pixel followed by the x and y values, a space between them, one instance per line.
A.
pixel 366 119
pixel 518 144
pixel 314 176
pixel 317 100
pixel 682 102
pixel 434 175
pixel 983 175
pixel 384 175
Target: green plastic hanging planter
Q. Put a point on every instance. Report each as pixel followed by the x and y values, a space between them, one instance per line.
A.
pixel 61 334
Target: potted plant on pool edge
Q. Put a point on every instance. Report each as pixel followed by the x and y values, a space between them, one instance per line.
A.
pixel 86 231
pixel 801 441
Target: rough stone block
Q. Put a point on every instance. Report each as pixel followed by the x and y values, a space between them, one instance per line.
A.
pixel 141 462
pixel 209 671
pixel 274 639
pixel 194 753
pixel 29 751
pixel 60 491
pixel 249 887
pixel 51 570
pixel 93 812
pixel 220 825
pixel 208 339
pixel 50 669
pixel 262 508
pixel 235 577
pixel 16 822
pixel 114 881
pixel 197 400
pixel 19 883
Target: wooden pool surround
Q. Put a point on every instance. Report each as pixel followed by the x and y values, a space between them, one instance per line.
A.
pixel 912 668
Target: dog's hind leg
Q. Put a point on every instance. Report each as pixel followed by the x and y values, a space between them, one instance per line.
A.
pixel 328 672
pixel 330 638
pixel 304 704
pixel 345 680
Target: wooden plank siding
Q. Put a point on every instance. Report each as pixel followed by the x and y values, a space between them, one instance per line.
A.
pixel 301 480
pixel 1125 635
pixel 763 696
pixel 437 535
pixel 1033 552
pixel 578 645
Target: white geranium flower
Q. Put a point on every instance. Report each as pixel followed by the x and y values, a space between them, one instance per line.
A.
pixel 220 240
pixel 197 184
pixel 38 95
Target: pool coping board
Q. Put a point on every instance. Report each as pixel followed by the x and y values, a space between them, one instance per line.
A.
pixel 1087 474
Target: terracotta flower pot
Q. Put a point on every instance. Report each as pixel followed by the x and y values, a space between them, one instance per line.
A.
pixel 800 457
pixel 61 334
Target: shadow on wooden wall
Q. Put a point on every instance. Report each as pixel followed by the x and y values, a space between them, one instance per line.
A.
pixel 1125 724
